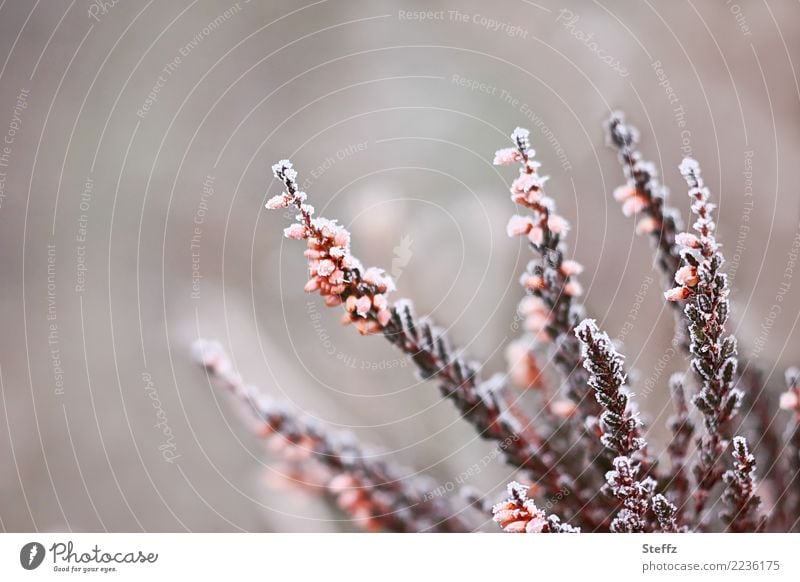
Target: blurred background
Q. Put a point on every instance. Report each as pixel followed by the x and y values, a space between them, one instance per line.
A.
pixel 137 144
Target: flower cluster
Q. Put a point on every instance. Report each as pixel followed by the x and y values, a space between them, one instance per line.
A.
pixel 335 273
pixel 518 514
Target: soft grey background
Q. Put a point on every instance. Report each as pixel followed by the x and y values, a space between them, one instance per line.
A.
pixel 313 80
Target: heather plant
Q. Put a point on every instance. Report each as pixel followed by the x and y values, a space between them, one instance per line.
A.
pixel 585 443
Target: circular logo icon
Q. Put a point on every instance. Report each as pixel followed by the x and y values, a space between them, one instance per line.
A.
pixel 31 555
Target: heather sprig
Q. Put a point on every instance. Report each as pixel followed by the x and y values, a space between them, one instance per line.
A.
pixel 550 310
pixel 335 272
pixel 374 493
pixel 340 278
pixel 621 429
pixel 645 197
pixel 739 495
pixel 519 514
pixel 705 289
pixel 619 419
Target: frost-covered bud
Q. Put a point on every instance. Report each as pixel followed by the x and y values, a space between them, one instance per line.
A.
pixel 518 225
pixel 687 276
pixel 687 240
pixel 677 294
pixel 506 156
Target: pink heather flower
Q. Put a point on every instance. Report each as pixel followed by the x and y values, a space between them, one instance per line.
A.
pixel 687 276
pixel 677 294
pixel 295 231
pixel 557 224
pixel 530 304
pixel 688 240
pixel 312 285
pixel 325 267
pixel 518 225
pixel 563 408
pixel 646 225
pixel 789 401
pixel 525 182
pixel 276 202
pixel 363 305
pixel 573 289
pixel 634 205
pixel 570 268
pixel 533 281
pixel 523 369
pixel 506 157
pixel 622 193
pixel 536 235
pixel 384 315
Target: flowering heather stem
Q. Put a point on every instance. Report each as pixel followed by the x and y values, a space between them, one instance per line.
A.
pixel 518 514
pixel 682 428
pixel 370 490
pixel 705 289
pixel 621 430
pixel 341 279
pixel 739 494
pixel 644 195
pixel 550 311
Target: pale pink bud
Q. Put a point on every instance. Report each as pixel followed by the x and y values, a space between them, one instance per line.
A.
pixel 687 276
pixel 276 202
pixel 530 304
pixel 688 240
pixel 518 225
pixel 646 225
pixel 563 408
pixel 312 285
pixel 524 183
pixel 505 516
pixel 534 282
pixel 789 401
pixel 570 268
pixel 380 302
pixel 622 193
pixel 350 304
pixel 536 321
pixel 536 235
pixel 333 300
pixel 557 224
pixel 536 525
pixel 337 277
pixel 341 483
pixel 506 157
pixel 677 294
pixel 342 238
pixel 295 231
pixel 384 315
pixel 634 205
pixel 573 289
pixel 325 267
pixel 363 305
